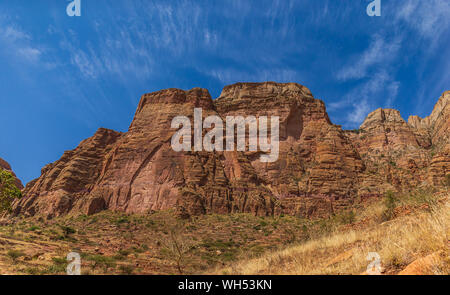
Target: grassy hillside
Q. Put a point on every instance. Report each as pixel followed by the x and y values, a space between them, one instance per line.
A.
pixel 400 228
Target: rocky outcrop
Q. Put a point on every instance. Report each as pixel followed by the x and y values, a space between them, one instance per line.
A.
pixel 428 265
pixel 392 152
pixel 320 169
pixel 401 155
pixel 436 128
pixel 5 166
pixel 317 164
pixel 66 182
pixel 139 172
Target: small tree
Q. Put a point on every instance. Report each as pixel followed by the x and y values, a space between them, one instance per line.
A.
pixel 177 245
pixel 390 203
pixel 8 191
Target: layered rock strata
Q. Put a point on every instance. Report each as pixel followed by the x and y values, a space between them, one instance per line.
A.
pixel 320 169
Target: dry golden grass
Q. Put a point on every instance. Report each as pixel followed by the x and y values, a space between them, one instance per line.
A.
pixel 399 242
pixel 115 243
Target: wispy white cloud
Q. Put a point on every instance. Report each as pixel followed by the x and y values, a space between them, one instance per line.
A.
pixel 150 31
pixel 375 69
pixel 430 23
pixel 362 99
pixel 392 89
pixel 12 33
pixel 360 111
pixel 419 26
pixel 337 105
pixel 18 43
pixel 85 64
pixel 29 53
pixel 154 33
pixel 114 54
pixel 429 18
pixel 380 52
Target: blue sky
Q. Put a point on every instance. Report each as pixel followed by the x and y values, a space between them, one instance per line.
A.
pixel 63 77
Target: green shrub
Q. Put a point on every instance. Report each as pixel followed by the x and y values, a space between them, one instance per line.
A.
pixel 126 269
pixel 263 223
pixel 122 220
pixel 59 266
pixel 421 196
pixel 66 234
pixel 390 203
pixel 124 252
pixel 59 261
pixel 67 230
pixel 347 217
pixel 8 191
pixel 32 271
pixel 102 261
pixel 15 254
pixel 33 228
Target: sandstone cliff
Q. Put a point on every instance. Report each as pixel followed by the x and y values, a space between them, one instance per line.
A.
pixel 318 166
pixel 321 168
pixel 436 129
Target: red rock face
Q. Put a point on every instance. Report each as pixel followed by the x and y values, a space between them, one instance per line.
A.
pixel 398 155
pixel 317 164
pixel 138 172
pixel 437 126
pixel 320 168
pixel 5 166
pixel 66 182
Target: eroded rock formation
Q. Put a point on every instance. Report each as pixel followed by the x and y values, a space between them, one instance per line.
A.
pixel 320 168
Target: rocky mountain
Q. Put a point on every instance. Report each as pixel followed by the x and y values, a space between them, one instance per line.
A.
pixel 5 166
pixel 321 168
